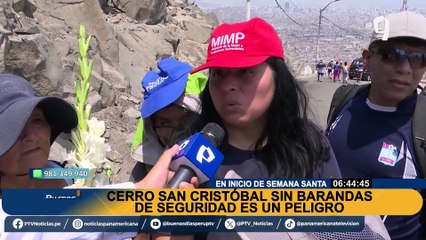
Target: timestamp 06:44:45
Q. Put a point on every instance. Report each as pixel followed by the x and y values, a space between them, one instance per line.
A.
pixel 350 183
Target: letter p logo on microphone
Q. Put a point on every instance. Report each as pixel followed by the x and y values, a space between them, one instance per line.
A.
pixel 200 155
pixel 205 154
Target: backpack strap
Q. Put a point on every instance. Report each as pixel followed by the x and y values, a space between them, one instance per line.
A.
pixel 419 133
pixel 340 97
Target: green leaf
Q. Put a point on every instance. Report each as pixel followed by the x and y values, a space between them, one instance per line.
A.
pixel 87 44
pixel 82 31
pixel 87 111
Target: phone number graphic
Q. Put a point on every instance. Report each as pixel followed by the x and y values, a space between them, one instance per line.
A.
pixel 59 173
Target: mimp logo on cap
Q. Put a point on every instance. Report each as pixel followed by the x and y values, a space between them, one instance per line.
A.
pixel 227 42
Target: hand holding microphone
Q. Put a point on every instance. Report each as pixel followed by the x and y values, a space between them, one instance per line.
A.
pixel 160 173
pixel 198 156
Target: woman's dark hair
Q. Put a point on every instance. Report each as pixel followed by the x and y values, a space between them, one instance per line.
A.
pixel 293 142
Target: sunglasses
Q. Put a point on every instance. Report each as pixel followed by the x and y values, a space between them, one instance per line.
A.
pixel 396 55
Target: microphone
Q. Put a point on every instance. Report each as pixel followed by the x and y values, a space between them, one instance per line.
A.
pixel 198 156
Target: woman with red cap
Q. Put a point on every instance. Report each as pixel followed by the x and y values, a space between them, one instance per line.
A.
pixel 252 94
pixel 254 97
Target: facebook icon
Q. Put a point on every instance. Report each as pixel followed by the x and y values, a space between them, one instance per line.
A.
pixel 17 223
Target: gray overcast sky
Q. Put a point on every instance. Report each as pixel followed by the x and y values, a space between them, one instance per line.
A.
pixel 383 4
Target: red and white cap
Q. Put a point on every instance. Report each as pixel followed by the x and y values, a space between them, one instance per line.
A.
pixel 241 45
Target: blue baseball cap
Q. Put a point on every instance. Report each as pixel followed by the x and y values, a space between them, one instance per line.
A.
pixel 164 87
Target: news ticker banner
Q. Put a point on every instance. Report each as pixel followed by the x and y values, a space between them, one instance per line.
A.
pixel 182 224
pixel 212 202
pixel 75 173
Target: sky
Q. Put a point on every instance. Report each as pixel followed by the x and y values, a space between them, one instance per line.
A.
pixel 382 4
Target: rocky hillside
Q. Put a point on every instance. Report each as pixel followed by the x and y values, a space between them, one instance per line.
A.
pixel 38 40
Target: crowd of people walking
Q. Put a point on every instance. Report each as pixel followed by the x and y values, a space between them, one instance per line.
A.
pixel 335 69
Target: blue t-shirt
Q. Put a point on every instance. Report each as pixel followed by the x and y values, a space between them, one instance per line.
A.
pixel 377 144
pixel 245 164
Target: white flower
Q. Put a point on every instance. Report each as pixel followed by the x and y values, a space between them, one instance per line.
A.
pixel 96 148
pixel 95 151
pixel 72 159
pixel 96 127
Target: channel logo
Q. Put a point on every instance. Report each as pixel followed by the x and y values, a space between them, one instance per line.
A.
pixel 77 223
pixel 155 223
pixel 17 223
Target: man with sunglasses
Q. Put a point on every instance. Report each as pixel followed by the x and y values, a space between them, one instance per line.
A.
pixel 372 133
